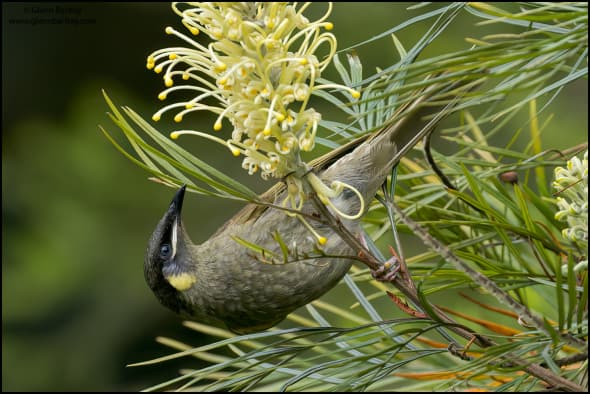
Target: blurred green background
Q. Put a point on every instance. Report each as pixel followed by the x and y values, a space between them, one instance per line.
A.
pixel 76 215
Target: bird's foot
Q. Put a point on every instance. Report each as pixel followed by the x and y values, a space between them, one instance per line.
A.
pixel 387 271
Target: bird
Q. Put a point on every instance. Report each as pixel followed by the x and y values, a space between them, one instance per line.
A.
pixel 222 281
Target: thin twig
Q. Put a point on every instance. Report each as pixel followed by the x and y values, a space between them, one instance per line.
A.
pixel 576 358
pixel 430 160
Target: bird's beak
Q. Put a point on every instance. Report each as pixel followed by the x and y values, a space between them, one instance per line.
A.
pixel 174 213
pixel 176 204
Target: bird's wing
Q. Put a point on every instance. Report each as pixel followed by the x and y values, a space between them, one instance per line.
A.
pixel 396 126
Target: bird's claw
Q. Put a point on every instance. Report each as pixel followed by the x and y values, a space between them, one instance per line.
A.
pixel 388 270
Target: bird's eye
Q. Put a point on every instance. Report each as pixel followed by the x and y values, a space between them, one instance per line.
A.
pixel 165 251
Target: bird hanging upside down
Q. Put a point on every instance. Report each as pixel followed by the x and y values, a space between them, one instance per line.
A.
pixel 222 280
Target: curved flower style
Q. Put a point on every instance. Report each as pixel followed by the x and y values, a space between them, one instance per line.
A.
pixel 572 186
pixel 258 72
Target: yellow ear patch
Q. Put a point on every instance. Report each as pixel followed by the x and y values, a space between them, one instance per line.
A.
pixel 181 282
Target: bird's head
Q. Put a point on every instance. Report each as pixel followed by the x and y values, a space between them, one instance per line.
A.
pixel 167 267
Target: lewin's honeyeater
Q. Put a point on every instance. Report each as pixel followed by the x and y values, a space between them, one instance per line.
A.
pixel 222 280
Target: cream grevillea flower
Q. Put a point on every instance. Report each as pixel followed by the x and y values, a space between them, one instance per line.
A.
pixel 571 184
pixel 257 72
